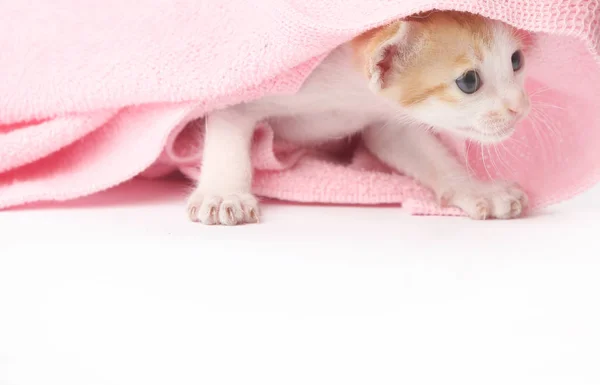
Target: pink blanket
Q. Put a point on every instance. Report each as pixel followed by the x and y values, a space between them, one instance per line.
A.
pixel 96 93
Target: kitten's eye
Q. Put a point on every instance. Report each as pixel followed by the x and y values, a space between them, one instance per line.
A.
pixel 517 60
pixel 469 82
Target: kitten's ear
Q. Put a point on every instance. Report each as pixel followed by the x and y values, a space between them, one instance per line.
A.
pixel 529 41
pixel 389 51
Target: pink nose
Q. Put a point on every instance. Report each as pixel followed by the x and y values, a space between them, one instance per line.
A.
pixel 517 109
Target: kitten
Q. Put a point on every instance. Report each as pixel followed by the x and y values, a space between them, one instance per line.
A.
pixel 456 72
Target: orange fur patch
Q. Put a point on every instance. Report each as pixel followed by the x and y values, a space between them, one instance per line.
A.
pixel 448 44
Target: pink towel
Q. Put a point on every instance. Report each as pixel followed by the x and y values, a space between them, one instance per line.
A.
pixel 96 93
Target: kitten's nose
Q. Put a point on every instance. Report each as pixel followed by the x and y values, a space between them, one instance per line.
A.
pixel 516 108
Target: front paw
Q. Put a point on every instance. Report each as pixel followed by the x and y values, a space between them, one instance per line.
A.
pixel 480 200
pixel 223 209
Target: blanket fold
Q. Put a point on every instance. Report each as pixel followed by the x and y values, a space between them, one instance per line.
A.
pixel 94 94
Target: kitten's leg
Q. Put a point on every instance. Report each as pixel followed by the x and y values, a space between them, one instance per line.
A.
pixel 422 156
pixel 223 194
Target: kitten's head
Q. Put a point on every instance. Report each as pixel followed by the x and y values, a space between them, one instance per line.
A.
pixel 457 72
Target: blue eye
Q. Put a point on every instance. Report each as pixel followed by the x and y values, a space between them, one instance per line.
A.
pixel 469 82
pixel 517 60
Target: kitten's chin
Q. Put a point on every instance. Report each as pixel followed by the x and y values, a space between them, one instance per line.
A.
pixel 491 139
pixel 487 137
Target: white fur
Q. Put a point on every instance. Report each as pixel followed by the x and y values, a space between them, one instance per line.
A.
pixel 337 101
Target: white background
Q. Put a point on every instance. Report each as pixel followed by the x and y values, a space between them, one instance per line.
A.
pixel 122 289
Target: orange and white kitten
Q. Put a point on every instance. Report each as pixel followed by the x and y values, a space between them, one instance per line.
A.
pixel 453 72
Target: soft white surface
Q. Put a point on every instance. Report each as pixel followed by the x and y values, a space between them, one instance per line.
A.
pixel 132 293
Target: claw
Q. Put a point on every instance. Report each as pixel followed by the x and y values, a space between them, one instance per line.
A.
pixel 254 216
pixel 226 209
pixel 482 211
pixel 230 214
pixel 192 213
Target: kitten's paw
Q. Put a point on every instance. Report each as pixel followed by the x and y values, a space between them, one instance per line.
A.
pixel 487 200
pixel 230 210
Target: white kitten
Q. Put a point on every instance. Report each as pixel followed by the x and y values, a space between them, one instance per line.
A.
pixel 455 72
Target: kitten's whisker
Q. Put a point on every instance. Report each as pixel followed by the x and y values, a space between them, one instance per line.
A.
pixel 554 147
pixel 539 134
pixel 539 91
pixel 494 164
pixel 537 116
pixel 483 161
pixel 501 160
pixel 492 161
pixel 536 131
pixel 546 120
pixel 536 103
pixel 470 170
